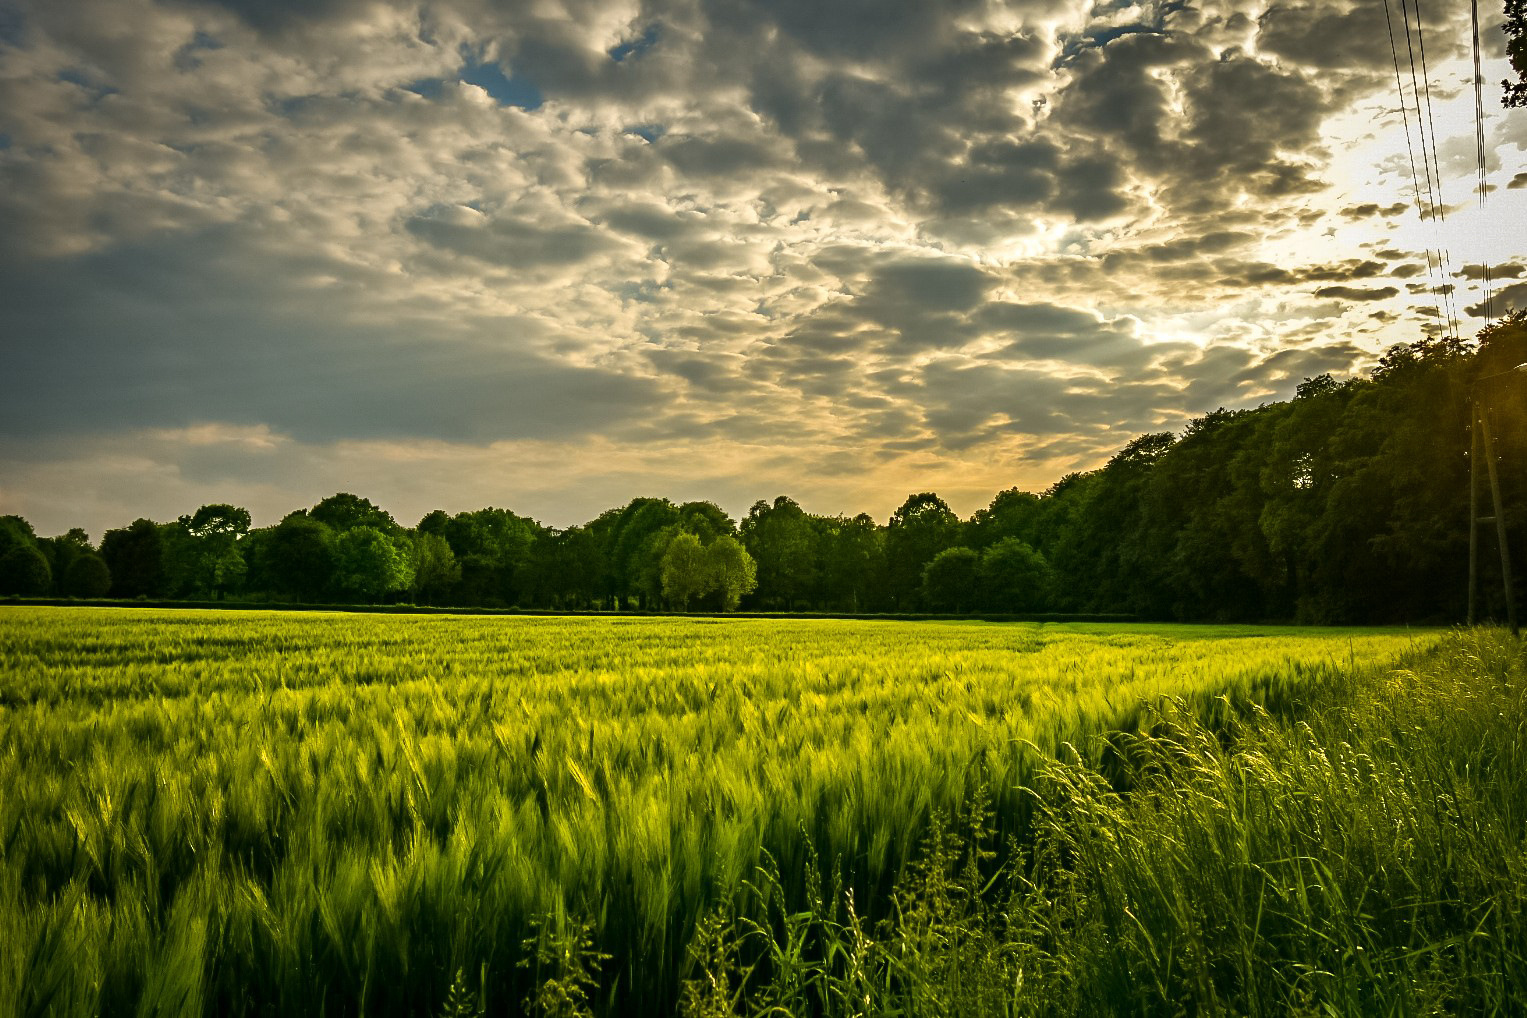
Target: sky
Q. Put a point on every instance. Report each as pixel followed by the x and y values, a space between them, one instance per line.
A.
pixel 553 255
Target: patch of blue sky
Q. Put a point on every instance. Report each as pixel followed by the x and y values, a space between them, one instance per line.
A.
pixel 635 47
pixel 648 132
pixel 504 89
pixel 79 77
pixel 5 141
pixel 187 58
pixel 12 26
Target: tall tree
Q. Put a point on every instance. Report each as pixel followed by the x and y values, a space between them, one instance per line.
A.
pixel 732 572
pixel 684 573
pixel 24 569
pixel 951 579
pixel 370 564
pixel 435 569
pixel 135 556
pixel 781 539
pixel 343 511
pixel 296 559
pixel 920 528
pixel 216 564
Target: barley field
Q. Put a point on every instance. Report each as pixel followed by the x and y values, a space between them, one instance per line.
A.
pixel 266 813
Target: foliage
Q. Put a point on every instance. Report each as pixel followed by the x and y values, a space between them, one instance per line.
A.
pixel 369 564
pixel 296 558
pixel 685 576
pixel 1515 27
pixel 950 580
pixel 1014 577
pixel 345 511
pixel 731 569
pixel 24 570
pixel 135 556
pixel 88 576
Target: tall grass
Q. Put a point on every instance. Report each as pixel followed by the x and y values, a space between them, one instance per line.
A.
pixel 1367 861
pixel 307 814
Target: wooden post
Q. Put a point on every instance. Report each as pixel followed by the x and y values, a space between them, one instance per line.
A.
pixel 1500 521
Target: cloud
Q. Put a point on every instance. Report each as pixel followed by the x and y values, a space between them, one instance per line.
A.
pixel 1357 292
pixel 1510 298
pixel 952 239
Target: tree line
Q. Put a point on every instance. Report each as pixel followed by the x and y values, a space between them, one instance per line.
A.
pixel 1347 503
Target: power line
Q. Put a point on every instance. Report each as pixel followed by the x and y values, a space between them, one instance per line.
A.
pixel 1480 155
pixel 1421 203
pixel 1439 209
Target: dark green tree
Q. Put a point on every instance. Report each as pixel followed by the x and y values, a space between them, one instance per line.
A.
pixel 135 556
pixel 781 539
pixel 24 571
pixel 87 577
pixel 1014 578
pixel 215 564
pixel 919 529
pixel 295 559
pixel 370 564
pixel 343 511
pixel 951 580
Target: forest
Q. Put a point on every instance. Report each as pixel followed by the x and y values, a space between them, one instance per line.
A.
pixel 1349 503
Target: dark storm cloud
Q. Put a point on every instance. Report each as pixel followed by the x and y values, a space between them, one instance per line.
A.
pixel 509 243
pixel 284 15
pixel 1511 298
pixel 1507 271
pixel 1329 36
pixel 163 337
pixel 1370 209
pixel 1357 292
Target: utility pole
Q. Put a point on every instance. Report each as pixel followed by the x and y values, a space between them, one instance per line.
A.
pixel 1479 432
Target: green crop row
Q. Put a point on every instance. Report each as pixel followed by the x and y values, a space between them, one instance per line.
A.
pixel 269 813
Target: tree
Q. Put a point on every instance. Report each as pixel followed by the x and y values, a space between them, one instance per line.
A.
pixel 87 576
pixel 731 570
pixel 492 546
pixel 435 567
pixel 684 572
pixel 921 528
pixel 343 511
pixel 296 558
pixel 1012 513
pixel 635 551
pixel 370 565
pixel 1014 577
pixel 135 556
pixel 950 580
pixel 781 540
pixel 215 564
pixel 24 571
pixel 1515 28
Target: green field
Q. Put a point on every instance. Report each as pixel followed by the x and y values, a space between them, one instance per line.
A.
pixel 268 813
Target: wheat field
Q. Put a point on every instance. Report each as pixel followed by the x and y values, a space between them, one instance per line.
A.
pixel 304 813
